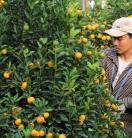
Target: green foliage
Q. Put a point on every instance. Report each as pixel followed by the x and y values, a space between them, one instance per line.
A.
pixel 72 90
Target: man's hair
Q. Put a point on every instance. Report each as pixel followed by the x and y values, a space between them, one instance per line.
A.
pixel 130 35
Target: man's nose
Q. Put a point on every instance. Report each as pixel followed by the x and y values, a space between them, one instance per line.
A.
pixel 115 42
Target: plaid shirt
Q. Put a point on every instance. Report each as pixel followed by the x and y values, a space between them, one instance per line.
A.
pixel 123 87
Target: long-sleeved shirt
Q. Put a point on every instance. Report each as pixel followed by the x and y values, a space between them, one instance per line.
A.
pixel 123 87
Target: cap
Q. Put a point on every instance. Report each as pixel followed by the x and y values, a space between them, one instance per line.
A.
pixel 120 27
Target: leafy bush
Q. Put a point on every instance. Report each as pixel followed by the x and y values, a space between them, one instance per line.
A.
pixel 53 87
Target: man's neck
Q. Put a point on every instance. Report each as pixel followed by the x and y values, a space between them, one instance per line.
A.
pixel 126 56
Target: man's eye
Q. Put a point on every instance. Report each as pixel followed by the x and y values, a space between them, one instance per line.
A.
pixel 120 38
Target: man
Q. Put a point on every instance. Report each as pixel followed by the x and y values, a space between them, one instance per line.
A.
pixel 118 66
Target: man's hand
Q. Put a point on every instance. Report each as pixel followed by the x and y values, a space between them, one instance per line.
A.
pixel 122 108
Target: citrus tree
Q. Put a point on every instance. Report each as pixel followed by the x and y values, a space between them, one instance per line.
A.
pixel 52 83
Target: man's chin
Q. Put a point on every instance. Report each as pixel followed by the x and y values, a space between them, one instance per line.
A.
pixel 118 51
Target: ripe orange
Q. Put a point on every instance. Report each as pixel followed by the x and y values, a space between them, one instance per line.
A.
pixel 82 117
pixel 99 35
pixel 114 107
pixel 40 119
pixel 18 121
pixel 7 74
pixel 102 47
pixel 122 125
pixel 89 27
pixel 104 38
pixel 50 64
pixel 108 37
pixel 93 27
pixel 78 55
pixel 84 40
pixel 92 36
pixel 24 85
pixel 46 115
pixel 30 99
pixel 50 135
pixel 35 133
pixel 62 136
pixel 81 122
pixel 42 133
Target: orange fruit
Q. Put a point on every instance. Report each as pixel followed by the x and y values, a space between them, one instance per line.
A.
pixel 79 12
pixel 78 55
pixel 122 125
pixel 42 133
pixel 62 136
pixel 50 64
pixel 35 133
pixel 81 122
pixel 89 27
pixel 30 99
pixel 104 117
pixel 99 35
pixel 114 107
pixel 16 109
pixel 50 135
pixel 40 119
pixel 84 40
pixel 96 81
pixel 79 41
pixel 4 51
pixel 108 37
pixel 112 123
pixel 24 85
pixel 102 47
pixel 82 117
pixel 93 27
pixel 106 126
pixel 83 33
pixel 21 126
pixel 30 65
pixel 83 27
pixel 104 38
pixel 7 74
pixel 18 121
pixel 97 25
pixel 92 36
pixel 46 115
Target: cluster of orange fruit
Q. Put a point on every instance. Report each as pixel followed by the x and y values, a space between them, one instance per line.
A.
pixel 90 27
pixel 115 108
pixel 111 123
pixel 41 133
pixel 7 75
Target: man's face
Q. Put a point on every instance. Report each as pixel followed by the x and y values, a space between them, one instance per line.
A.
pixel 123 44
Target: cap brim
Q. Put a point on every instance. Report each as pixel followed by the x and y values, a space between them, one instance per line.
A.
pixel 115 32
